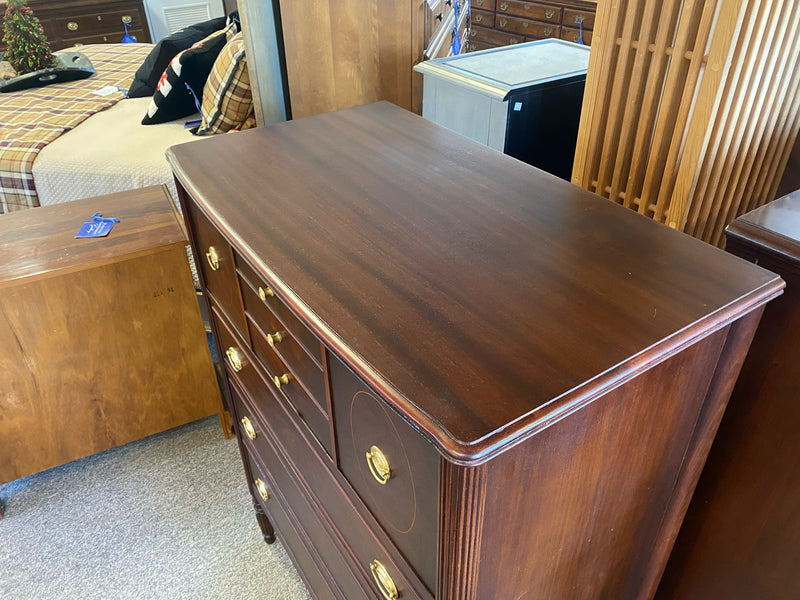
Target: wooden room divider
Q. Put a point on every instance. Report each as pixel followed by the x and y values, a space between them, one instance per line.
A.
pixel 691 108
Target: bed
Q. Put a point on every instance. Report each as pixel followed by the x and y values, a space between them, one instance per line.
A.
pixel 63 142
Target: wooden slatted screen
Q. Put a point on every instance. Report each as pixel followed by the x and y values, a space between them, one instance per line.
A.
pixel 691 108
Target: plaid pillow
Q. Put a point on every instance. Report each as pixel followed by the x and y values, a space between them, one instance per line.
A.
pixel 181 85
pixel 227 99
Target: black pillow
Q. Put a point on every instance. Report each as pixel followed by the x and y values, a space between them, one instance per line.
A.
pixel 145 80
pixel 180 88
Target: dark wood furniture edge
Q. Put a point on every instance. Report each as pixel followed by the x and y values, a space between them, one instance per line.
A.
pixel 480 450
pixel 743 231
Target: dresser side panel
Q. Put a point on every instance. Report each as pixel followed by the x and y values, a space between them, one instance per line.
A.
pixel 575 511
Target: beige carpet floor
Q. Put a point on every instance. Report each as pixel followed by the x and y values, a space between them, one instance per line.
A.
pixel 166 517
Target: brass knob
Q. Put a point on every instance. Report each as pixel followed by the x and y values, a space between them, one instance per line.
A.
pixel 265 293
pixel 274 338
pixel 213 258
pixel 383 580
pixel 479 2
pixel 503 22
pixel 473 33
pixel 547 31
pixel 248 428
pixel 72 26
pixel 378 465
pixel 504 6
pixel 576 38
pixel 127 19
pixel 549 14
pixel 280 380
pixel 478 18
pixel 579 19
pixel 234 358
pixel 263 491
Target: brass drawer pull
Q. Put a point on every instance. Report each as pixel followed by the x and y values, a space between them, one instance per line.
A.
pixel 72 26
pixel 503 22
pixel 549 14
pixel 548 31
pixel 248 428
pixel 479 2
pixel 265 293
pixel 280 380
pixel 383 580
pixel 213 258
pixel 234 358
pixel 127 19
pixel 263 491
pixel 478 18
pixel 274 338
pixel 579 19
pixel 504 6
pixel 378 465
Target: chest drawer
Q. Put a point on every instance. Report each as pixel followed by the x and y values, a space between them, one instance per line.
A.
pixel 483 4
pixel 392 468
pixel 527 27
pixel 530 10
pixel 573 17
pixel 94 24
pixel 572 34
pixel 482 17
pixel 217 266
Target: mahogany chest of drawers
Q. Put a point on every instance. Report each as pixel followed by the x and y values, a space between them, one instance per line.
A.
pixel 456 376
pixel 505 22
pixel 76 22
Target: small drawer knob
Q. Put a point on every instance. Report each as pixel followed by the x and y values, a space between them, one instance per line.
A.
pixel 549 14
pixel 72 26
pixel 383 580
pixel 478 18
pixel 479 2
pixel 378 465
pixel 274 338
pixel 127 19
pixel 248 428
pixel 263 491
pixel 281 380
pixel 265 293
pixel 504 6
pixel 213 258
pixel 548 31
pixel 503 22
pixel 234 358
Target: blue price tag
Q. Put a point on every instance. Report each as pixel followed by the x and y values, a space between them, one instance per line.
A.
pixel 456 42
pixel 99 226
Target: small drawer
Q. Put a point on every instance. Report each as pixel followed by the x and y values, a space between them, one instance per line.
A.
pixel 483 4
pixel 482 17
pixel 392 468
pixel 528 28
pixel 284 343
pixel 530 10
pixel 294 540
pixel 573 17
pixel 571 34
pixel 312 410
pixel 267 296
pixel 215 260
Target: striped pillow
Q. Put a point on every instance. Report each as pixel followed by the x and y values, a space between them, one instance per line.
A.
pixel 227 99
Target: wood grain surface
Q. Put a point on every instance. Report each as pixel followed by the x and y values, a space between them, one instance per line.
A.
pixel 491 298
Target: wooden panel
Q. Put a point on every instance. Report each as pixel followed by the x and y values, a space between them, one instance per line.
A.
pixel 689 109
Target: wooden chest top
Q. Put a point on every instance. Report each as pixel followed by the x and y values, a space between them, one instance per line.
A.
pixel 483 297
pixel 41 242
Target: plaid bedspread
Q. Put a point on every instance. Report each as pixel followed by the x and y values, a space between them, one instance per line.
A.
pixel 30 119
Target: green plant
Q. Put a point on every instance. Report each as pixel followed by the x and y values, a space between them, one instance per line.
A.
pixel 27 48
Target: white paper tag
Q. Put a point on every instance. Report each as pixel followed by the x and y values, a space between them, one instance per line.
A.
pixel 105 90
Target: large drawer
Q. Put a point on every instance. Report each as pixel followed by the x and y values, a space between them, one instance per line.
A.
pixel 305 480
pixel 530 10
pixel 527 27
pixel 394 470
